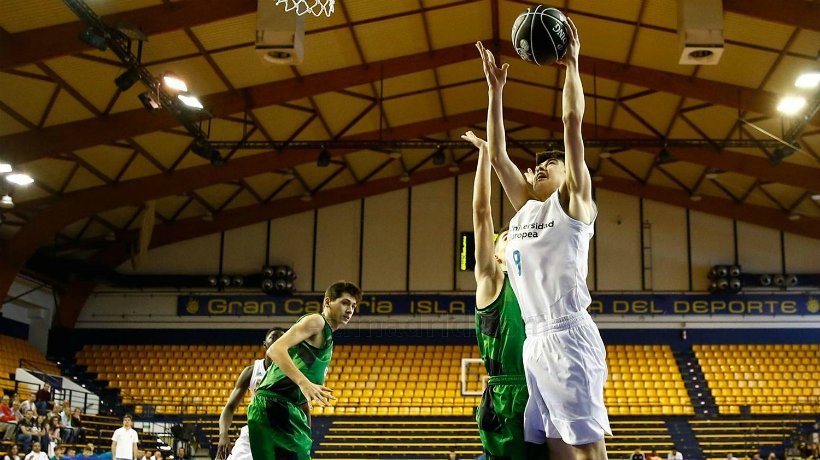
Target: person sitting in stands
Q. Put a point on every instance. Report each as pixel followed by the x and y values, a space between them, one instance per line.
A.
pixel 36 453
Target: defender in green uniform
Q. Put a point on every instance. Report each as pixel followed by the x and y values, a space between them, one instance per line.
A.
pixel 500 332
pixel 278 427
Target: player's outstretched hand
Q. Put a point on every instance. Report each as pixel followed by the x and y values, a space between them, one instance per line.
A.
pixel 478 142
pixel 496 76
pixel 317 394
pixel 573 44
pixel 223 450
pixel 529 175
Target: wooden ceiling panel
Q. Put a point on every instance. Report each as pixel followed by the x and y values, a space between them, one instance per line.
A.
pixel 661 13
pixel 417 81
pixel 9 125
pixel 359 10
pixel 740 66
pixel 29 192
pixel 342 179
pixel 623 9
pixel 638 162
pixel 66 108
pixel 216 194
pixel 94 81
pixel 715 121
pixel 244 68
pixel 19 15
pixel 197 73
pixel 83 179
pixel 465 98
pixel 460 72
pixel 29 98
pixel 280 122
pixel 408 38
pixel 167 46
pixel 656 177
pixel 369 123
pixel 657 109
pixel 107 159
pixel 759 198
pixel 688 173
pixel 73 230
pixel 462 24
pixel 141 167
pixel 365 162
pixel 120 216
pixel 52 172
pixel 524 97
pixel 265 184
pixel 163 146
pixel 414 108
pixel 755 31
pixel 244 198
pixel 339 110
pixel 194 209
pixel 230 129
pixel 610 40
pixel 808 208
pixel 806 43
pixel 227 32
pixel 735 183
pixel 314 130
pixel 782 80
pixel 658 50
pixel 327 51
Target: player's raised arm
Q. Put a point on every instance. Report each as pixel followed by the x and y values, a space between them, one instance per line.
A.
pixel 579 182
pixel 515 186
pixel 486 268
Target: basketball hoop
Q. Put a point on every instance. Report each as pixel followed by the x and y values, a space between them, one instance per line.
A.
pixel 314 7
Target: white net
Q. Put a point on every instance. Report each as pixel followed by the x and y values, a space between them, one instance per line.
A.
pixel 314 7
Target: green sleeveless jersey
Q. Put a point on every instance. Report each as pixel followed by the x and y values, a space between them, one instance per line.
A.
pixel 311 361
pixel 500 333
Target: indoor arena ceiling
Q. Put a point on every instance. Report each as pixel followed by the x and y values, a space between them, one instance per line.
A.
pixel 390 70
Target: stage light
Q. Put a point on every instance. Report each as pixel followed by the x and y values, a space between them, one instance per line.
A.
pixel 438 156
pixel 765 280
pixel 190 101
pixel 6 202
pixel 213 281
pixel 149 102
pixel 93 39
pixel 324 158
pixel 127 79
pixel 405 177
pixel 19 179
pixel 791 280
pixel 172 82
pixel 808 80
pixel 5 168
pixel 225 281
pixel 779 280
pixel 790 105
pixel 664 156
pixel 725 279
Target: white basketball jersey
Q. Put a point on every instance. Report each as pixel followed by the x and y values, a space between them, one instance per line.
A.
pixel 257 375
pixel 547 260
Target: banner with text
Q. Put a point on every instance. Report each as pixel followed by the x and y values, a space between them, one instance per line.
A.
pixel 462 304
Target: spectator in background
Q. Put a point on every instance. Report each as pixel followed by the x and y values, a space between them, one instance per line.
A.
pixel 71 452
pixel 452 455
pixel 43 399
pixel 674 455
pixel 13 453
pixel 25 431
pixel 77 425
pixel 653 455
pixel 66 426
pixel 8 421
pixel 53 432
pixel 181 454
pixel 756 456
pixel 638 455
pixel 141 455
pixel 124 442
pixel 41 429
pixel 59 453
pixel 16 408
pixel 730 456
pixel 157 455
pixel 29 404
pixel 36 453
pixel 772 456
pixel 89 451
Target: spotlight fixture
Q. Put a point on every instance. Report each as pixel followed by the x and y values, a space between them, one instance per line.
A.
pixel 150 103
pixel 93 39
pixel 438 156
pixel 790 105
pixel 19 179
pixel 203 149
pixel 174 83
pixel 664 156
pixel 267 271
pixel 238 281
pixel 190 101
pixel 225 281
pixel 794 216
pixel 324 158
pixel 808 80
pixel 5 168
pixel 725 279
pixel 6 202
pixel 127 79
pixel 278 280
pixel 213 281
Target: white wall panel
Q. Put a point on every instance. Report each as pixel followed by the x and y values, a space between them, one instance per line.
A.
pixel 668 243
pixel 245 249
pixel 384 255
pixel 712 244
pixel 291 243
pixel 619 242
pixel 802 254
pixel 432 237
pixel 196 256
pixel 337 244
pixel 758 248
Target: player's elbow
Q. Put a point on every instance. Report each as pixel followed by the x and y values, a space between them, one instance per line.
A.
pixel 572 118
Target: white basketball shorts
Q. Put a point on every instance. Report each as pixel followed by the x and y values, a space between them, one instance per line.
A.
pixel 242 447
pixel 565 366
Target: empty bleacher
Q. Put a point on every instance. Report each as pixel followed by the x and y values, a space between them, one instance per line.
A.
pixel 769 379
pixel 12 350
pixel 718 437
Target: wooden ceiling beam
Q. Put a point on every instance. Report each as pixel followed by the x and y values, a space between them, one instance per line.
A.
pixel 798 13
pixel 33 145
pixel 37 45
pixel 786 173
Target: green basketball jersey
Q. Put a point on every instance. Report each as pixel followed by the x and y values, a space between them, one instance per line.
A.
pixel 500 333
pixel 311 361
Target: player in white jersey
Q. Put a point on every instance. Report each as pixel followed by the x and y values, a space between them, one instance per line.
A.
pixel 548 243
pixel 248 379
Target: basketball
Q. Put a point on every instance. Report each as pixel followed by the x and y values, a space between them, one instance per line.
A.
pixel 540 35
